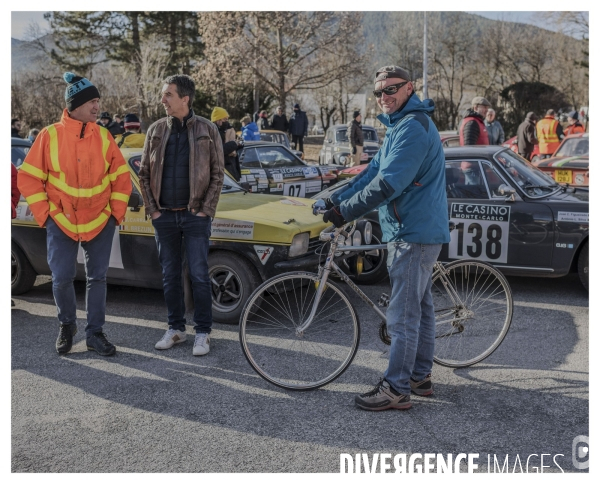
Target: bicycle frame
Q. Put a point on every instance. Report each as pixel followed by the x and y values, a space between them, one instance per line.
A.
pixel 331 266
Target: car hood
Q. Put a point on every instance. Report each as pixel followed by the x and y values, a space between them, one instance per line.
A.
pixel 558 162
pixel 572 194
pixel 274 219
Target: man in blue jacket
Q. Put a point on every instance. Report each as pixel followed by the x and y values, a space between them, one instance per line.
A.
pixel 407 182
pixel 298 127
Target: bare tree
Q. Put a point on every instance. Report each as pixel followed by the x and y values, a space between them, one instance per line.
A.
pixel 284 50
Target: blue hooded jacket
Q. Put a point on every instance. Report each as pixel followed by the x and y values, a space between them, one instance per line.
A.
pixel 406 179
pixel 250 132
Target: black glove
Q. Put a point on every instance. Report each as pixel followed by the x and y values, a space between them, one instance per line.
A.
pixel 334 215
pixel 354 150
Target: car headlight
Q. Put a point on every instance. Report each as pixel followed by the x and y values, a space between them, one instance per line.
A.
pixel 299 245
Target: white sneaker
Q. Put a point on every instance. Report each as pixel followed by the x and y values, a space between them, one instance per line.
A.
pixel 201 344
pixel 171 337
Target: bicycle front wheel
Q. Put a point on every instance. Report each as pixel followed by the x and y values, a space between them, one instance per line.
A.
pixel 282 353
pixel 473 306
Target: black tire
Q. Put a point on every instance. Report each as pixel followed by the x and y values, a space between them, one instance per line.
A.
pixel 374 263
pixel 284 352
pixel 583 266
pixel 473 311
pixel 233 279
pixel 22 274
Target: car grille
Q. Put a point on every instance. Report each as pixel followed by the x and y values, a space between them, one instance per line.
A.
pixel 314 244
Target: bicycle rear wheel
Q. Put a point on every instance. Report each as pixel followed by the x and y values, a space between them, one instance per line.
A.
pixel 281 354
pixel 473 306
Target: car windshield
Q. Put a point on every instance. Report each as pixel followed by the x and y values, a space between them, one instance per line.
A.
pixel 530 179
pixel 280 138
pixel 269 157
pixel 574 147
pixel 368 134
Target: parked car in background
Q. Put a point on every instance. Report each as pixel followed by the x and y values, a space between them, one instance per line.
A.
pixel 571 161
pixel 280 137
pixel 273 168
pixel 450 139
pixel 511 144
pixel 18 150
pixel 509 213
pixel 337 150
pixel 254 237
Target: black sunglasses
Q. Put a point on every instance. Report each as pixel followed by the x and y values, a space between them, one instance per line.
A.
pixel 389 90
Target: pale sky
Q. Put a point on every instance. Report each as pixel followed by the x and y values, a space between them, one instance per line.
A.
pixel 21 20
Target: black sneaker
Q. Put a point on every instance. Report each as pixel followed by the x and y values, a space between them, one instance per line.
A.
pixel 98 342
pixel 423 388
pixel 64 342
pixel 382 397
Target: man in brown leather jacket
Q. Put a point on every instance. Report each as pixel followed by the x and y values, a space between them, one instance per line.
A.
pixel 181 176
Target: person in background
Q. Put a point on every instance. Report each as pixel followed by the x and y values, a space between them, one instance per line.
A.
pixel 132 137
pixel 106 122
pixel 279 121
pixel 574 126
pixel 493 128
pixel 230 145
pixel 181 176
pixel 117 118
pixel 472 128
pixel 356 138
pixel 77 185
pixel 33 134
pixel 526 136
pixel 250 131
pixel 263 121
pixel 549 133
pixel 15 125
pixel 298 127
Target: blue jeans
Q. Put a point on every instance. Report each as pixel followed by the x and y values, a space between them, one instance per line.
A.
pixel 62 259
pixel 172 229
pixel 410 315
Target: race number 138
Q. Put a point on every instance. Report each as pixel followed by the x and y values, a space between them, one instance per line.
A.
pixel 479 239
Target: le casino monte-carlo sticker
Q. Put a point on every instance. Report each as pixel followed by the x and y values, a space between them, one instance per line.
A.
pixel 481 232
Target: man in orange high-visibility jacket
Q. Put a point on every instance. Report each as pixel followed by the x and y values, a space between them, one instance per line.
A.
pixel 574 126
pixel 549 134
pixel 77 185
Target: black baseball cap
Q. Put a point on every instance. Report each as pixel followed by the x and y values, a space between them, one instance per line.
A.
pixel 386 72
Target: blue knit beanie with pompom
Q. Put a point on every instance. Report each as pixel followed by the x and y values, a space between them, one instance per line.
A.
pixel 79 91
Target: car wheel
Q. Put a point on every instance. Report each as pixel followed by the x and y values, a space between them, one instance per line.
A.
pixel 374 262
pixel 22 275
pixel 583 266
pixel 232 280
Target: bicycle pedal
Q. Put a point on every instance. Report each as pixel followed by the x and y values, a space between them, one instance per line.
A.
pixel 384 300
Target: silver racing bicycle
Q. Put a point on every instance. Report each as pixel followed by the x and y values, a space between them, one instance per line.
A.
pixel 300 330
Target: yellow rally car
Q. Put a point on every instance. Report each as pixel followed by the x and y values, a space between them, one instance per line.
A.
pixel 254 237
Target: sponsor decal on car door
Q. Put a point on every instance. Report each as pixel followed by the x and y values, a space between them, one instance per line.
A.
pixel 481 232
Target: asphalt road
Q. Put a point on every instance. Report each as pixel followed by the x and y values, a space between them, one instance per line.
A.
pixel 146 410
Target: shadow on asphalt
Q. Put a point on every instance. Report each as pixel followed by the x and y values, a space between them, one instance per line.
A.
pixel 487 405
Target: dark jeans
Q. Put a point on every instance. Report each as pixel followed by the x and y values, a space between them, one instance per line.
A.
pixel 62 259
pixel 172 229
pixel 298 140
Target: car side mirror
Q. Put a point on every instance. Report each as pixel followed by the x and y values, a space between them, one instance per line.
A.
pixel 135 202
pixel 508 192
